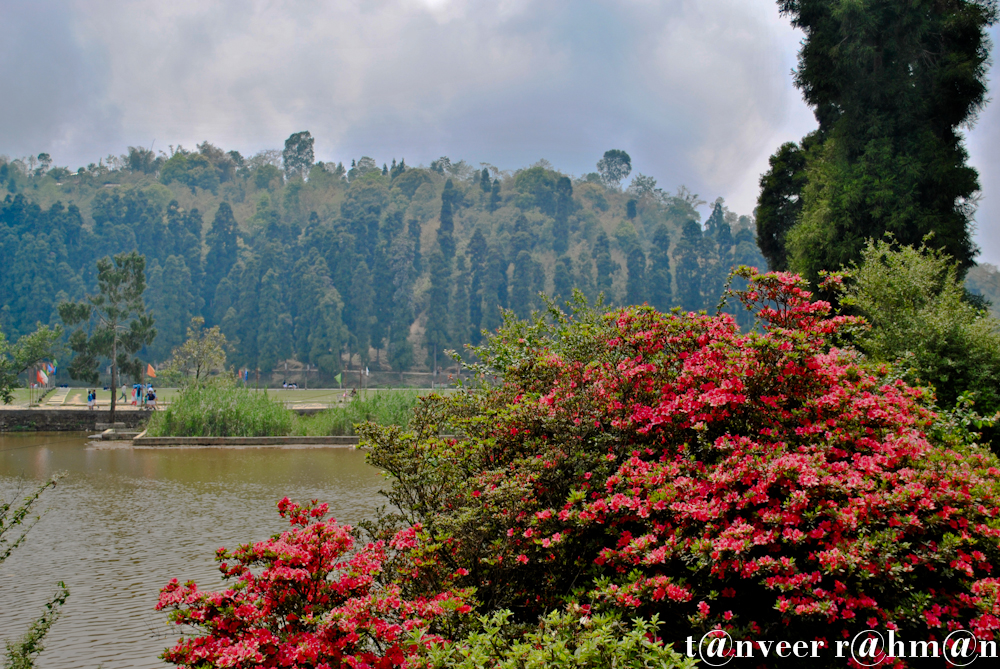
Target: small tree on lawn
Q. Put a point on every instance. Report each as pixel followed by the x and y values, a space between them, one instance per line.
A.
pixel 29 350
pixel 203 352
pixel 119 325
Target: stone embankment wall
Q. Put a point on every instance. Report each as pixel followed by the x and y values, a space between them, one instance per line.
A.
pixel 64 420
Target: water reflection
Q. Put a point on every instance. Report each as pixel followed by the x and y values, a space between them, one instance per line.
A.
pixel 124 522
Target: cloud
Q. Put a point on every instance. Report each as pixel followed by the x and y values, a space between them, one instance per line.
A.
pixel 697 91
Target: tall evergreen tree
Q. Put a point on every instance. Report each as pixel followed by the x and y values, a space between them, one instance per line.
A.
pixel 402 255
pixel 636 289
pixel 172 302
pixel 494 290
pixel 891 83
pixel 560 222
pixel 436 331
pixel 605 265
pixel 362 306
pixel 659 280
pixel 484 181
pixel 562 279
pixel 413 229
pixel 223 246
pixel 274 336
pixel 688 263
pixel 461 324
pixel 446 231
pixel 495 198
pixel 478 252
pixel 520 289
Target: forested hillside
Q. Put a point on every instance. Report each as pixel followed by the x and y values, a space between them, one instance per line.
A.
pixel 382 266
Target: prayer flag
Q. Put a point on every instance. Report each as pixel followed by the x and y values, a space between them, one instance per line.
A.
pixel 338 377
pixel 150 372
pixel 42 378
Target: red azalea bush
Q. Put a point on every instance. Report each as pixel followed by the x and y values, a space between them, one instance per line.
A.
pixel 312 603
pixel 765 482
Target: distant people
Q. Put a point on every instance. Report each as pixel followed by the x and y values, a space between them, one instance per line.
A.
pixel 354 393
pixel 151 398
pixel 124 397
pixel 91 398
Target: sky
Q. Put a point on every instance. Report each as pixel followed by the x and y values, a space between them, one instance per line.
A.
pixel 698 92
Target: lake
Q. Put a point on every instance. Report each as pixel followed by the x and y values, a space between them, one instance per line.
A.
pixel 124 522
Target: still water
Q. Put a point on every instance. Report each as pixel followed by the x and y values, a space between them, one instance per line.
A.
pixel 124 522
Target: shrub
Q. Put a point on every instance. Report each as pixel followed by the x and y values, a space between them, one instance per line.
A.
pixel 572 638
pixel 385 407
pixel 922 321
pixel 221 409
pixel 765 482
pixel 310 603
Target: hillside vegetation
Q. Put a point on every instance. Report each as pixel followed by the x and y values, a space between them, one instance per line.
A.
pixel 364 265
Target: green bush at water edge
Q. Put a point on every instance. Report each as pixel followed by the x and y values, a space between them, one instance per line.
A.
pixel 221 409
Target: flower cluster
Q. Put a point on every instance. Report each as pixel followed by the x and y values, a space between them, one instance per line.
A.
pixel 305 598
pixel 671 464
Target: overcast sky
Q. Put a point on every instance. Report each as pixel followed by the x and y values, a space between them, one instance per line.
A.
pixel 698 92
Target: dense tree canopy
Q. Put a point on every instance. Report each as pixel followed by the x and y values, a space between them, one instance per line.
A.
pixel 336 267
pixel 891 83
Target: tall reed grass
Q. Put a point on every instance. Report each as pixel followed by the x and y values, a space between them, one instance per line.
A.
pixel 224 410
pixel 221 410
pixel 385 407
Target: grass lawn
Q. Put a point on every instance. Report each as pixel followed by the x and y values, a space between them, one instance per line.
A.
pixel 77 397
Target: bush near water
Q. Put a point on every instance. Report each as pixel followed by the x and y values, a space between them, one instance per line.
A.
pixel 223 409
pixel 634 465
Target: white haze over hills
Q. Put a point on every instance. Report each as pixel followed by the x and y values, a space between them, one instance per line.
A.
pixel 698 92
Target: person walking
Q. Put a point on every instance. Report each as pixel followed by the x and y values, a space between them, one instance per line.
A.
pixel 91 396
pixel 124 397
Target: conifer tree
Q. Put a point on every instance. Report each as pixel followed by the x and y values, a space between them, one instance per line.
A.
pixel 362 306
pixel 520 289
pixel 495 198
pixel 172 303
pixel 636 285
pixel 274 335
pixel 659 280
pixel 494 290
pixel 605 265
pixel 688 259
pixel 222 250
pixel 484 181
pixel 560 222
pixel 562 279
pixel 460 313
pixel 446 231
pixel 478 252
pixel 436 329
pixel 404 273
pixel 891 84
pixel 413 229
pixel 583 275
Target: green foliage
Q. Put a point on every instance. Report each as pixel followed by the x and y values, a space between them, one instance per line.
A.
pixel 21 654
pixel 298 154
pixel 29 350
pixel 614 166
pixel 381 407
pixel 221 409
pixel 273 261
pixel 119 325
pixel 562 639
pixel 890 83
pixel 921 322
